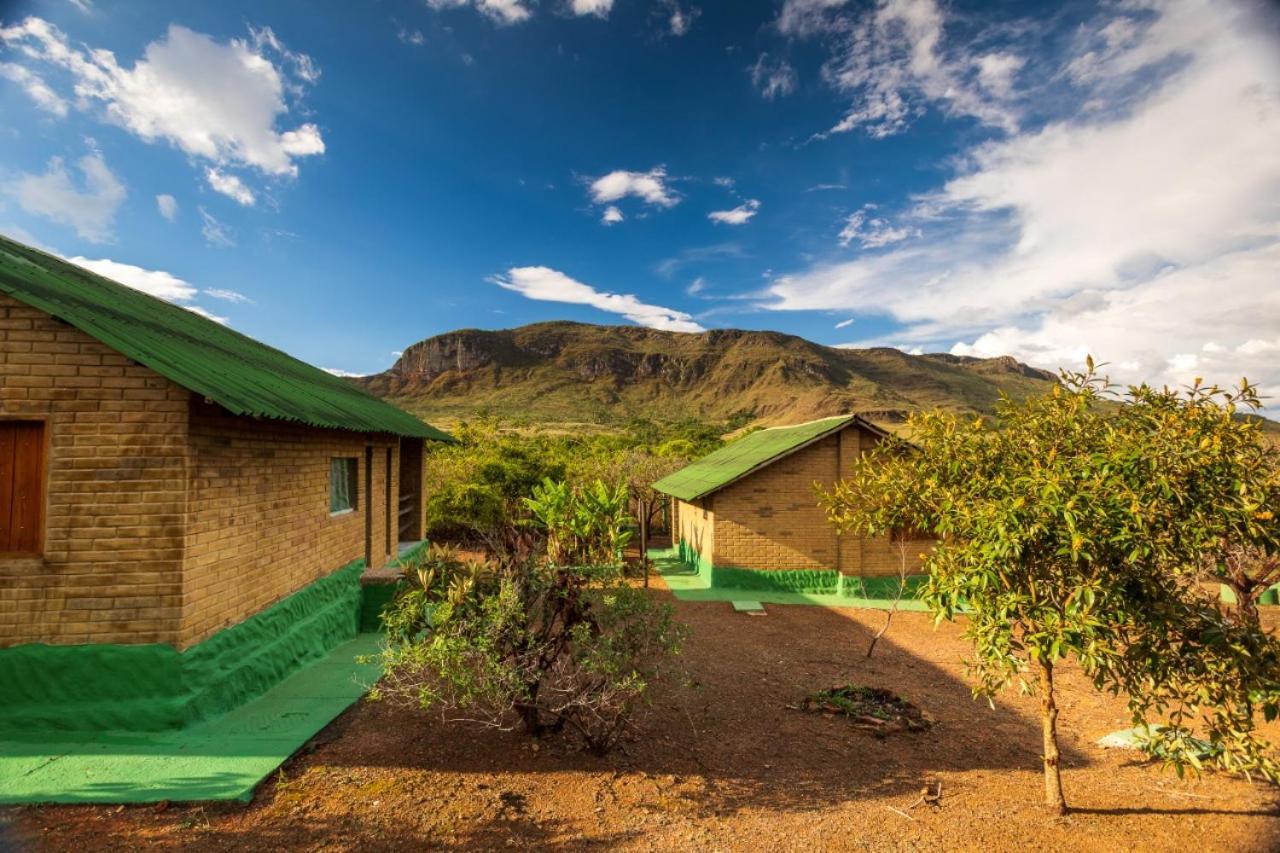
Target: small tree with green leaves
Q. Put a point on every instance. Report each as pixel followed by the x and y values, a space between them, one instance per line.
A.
pixel 548 634
pixel 1077 525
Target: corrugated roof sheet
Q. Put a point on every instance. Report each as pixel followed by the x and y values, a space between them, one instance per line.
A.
pixel 238 373
pixel 739 458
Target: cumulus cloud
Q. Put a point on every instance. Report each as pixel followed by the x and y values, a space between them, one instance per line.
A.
pixel 599 8
pixel 168 206
pixel 35 87
pixel 1145 231
pixel 220 102
pixel 345 374
pixel 873 232
pixel 548 285
pixel 157 283
pixel 611 215
pixel 229 185
pixel 739 215
pixel 502 12
pixel 89 207
pixel 650 186
pixel 773 79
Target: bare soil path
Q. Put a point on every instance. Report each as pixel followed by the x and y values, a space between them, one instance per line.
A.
pixel 724 765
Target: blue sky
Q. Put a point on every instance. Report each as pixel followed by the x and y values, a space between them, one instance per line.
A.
pixel 983 178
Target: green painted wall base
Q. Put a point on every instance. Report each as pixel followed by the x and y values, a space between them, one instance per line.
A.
pixel 153 686
pixel 220 759
pixel 806 581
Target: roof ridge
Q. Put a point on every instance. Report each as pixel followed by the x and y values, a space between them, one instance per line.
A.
pixel 849 416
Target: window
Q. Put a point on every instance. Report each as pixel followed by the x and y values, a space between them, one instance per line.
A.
pixel 21 487
pixel 342 485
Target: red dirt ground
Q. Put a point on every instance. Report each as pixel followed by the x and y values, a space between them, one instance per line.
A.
pixel 724 765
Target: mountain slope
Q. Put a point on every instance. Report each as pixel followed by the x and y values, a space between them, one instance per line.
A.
pixel 565 372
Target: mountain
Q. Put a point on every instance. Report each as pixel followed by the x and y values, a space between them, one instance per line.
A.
pixel 574 373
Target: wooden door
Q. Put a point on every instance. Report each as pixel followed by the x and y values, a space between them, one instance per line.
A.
pixel 21 487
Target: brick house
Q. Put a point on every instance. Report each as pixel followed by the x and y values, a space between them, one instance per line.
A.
pixel 177 496
pixel 750 507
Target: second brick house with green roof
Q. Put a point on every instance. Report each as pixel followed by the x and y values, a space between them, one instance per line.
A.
pixel 748 514
pixel 184 512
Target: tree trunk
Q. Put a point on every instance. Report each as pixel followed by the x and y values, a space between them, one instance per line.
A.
pixel 1052 759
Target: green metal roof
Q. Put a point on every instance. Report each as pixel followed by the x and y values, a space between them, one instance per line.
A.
pixel 753 451
pixel 236 372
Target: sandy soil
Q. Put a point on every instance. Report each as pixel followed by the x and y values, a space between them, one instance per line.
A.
pixel 724 765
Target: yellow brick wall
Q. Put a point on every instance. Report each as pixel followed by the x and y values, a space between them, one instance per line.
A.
pixel 696 526
pixel 167 518
pixel 772 519
pixel 116 475
pixel 260 526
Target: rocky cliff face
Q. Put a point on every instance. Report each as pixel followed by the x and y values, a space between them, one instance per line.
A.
pixel 553 371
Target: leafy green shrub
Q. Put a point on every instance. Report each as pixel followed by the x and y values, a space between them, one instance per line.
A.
pixel 585 526
pixel 523 641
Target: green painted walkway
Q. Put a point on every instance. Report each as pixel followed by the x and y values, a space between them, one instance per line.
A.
pixel 688 584
pixel 222 759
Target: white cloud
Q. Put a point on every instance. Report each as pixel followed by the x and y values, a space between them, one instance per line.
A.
pixel 895 57
pixel 599 8
pixel 501 12
pixel 168 206
pixel 805 17
pixel 35 87
pixel 413 37
pixel 220 102
pixel 196 309
pixel 844 324
pixel 1142 232
pixel 345 374
pixel 873 232
pixel 215 232
pixel 229 185
pixel 996 72
pixel 548 285
pixel 90 209
pixel 231 296
pixel 696 286
pixel 650 186
pixel 611 215
pixel 739 215
pixel 157 283
pixel 681 20
pixel 773 79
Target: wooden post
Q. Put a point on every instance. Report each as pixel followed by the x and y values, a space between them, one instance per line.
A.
pixel 644 539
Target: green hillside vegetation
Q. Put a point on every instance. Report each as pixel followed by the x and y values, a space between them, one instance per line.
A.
pixel 576 373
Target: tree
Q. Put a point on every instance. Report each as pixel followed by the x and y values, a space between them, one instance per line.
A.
pixel 1077 525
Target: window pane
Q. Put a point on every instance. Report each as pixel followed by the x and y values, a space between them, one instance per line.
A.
pixel 341 484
